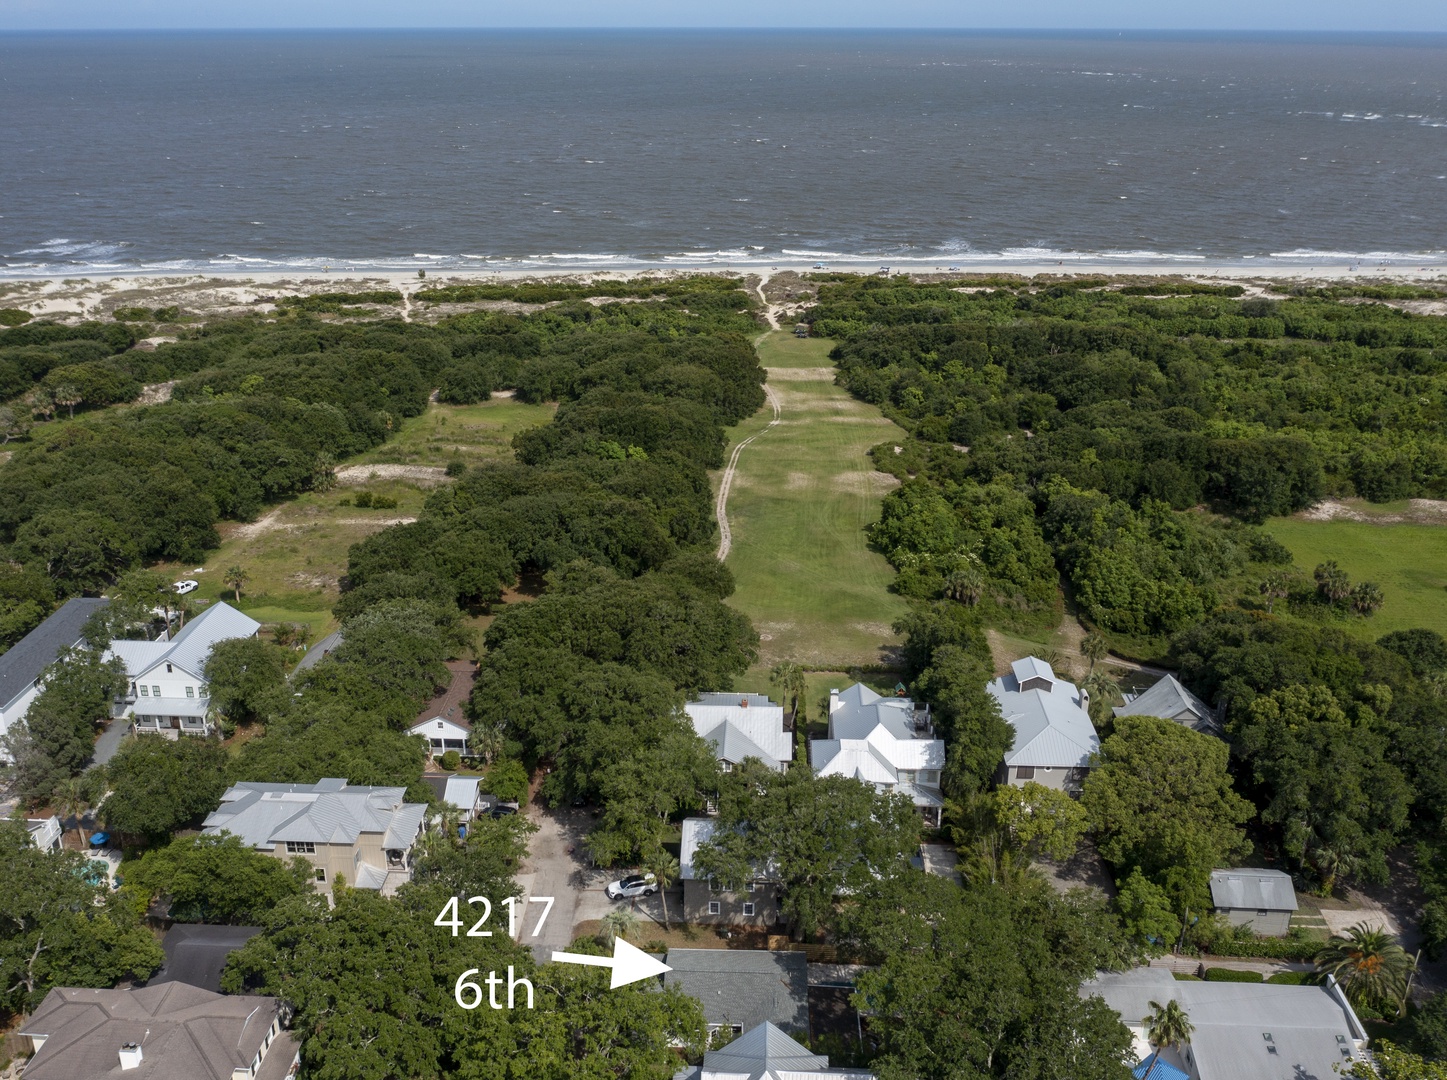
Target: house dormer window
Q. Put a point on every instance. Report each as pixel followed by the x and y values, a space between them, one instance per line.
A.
pixel 726 766
pixel 168 669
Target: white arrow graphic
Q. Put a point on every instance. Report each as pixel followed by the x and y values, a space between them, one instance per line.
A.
pixel 629 964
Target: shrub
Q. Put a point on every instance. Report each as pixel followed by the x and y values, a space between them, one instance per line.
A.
pixel 131 314
pixel 455 468
pixel 14 316
pixel 363 499
pixel 1293 978
pixel 384 502
pixel 451 760
pixel 1218 974
pixel 1183 976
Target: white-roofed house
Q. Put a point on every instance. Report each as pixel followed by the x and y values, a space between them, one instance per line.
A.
pixel 364 833
pixel 885 741
pixel 707 902
pixel 1170 700
pixel 1054 738
pixel 1260 899
pixel 742 726
pixel 167 691
pixel 1256 1030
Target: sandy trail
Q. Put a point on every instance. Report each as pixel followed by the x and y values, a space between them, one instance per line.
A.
pixel 725 537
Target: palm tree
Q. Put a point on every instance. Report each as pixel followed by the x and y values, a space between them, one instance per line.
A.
pixel 1367 598
pixel 1369 964
pixel 235 578
pixel 1332 581
pixel 72 798
pixel 1094 648
pixel 618 923
pixel 967 585
pixel 1103 690
pixel 67 395
pixel 664 868
pixel 793 684
pixel 487 742
pixel 1167 1025
pixel 1276 586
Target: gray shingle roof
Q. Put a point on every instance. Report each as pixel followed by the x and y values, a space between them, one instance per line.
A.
pixel 1170 700
pixel 185 1033
pixel 1256 890
pixel 27 659
pixel 745 987
pixel 196 953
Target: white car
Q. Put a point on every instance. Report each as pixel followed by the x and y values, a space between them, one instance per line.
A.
pixel 183 587
pixel 634 885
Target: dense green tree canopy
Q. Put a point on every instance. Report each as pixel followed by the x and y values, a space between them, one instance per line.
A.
pixel 216 879
pixel 159 785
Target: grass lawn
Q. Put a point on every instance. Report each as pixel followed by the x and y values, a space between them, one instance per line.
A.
pixel 801 497
pixel 1408 561
pixel 296 552
pixel 468 433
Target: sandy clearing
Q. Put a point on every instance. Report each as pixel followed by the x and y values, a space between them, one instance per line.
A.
pixel 156 393
pixel 870 482
pixel 1419 512
pixel 801 374
pixel 798 481
pixel 351 475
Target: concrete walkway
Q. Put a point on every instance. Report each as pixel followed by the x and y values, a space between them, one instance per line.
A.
pixel 110 741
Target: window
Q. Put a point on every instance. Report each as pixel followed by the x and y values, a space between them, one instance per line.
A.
pixel 168 669
pixel 714 907
pixel 737 1029
pixel 190 691
pixel 749 886
pixel 321 874
pixel 439 723
pixel 748 909
pixel 144 691
pixel 906 776
pixel 1025 772
pixel 155 691
pixel 714 886
pixel 725 766
pixel 300 847
pixel 1261 912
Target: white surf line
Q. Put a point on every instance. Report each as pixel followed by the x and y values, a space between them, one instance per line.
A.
pixel 720 506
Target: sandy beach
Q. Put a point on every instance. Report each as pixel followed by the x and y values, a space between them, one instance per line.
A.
pixel 98 295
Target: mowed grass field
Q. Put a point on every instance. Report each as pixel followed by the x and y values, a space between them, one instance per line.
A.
pixel 801 497
pixel 296 552
pixel 1408 561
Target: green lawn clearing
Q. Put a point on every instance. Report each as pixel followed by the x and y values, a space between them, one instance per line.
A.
pixel 1408 561
pixel 801 496
pixel 466 433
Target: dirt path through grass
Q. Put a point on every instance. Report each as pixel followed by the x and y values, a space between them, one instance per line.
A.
pixel 794 509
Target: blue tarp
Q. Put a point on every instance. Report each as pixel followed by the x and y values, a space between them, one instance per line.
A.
pixel 1164 1071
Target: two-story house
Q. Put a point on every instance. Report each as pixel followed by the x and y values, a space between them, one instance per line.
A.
pixel 22 666
pixel 1054 738
pixel 167 685
pixel 365 834
pixel 706 901
pixel 885 741
pixel 742 726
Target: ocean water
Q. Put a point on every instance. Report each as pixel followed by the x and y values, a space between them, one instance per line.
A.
pixel 187 151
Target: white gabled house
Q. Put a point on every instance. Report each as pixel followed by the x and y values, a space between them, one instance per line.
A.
pixel 443 734
pixel 887 742
pixel 742 726
pixel 1054 738
pixel 167 688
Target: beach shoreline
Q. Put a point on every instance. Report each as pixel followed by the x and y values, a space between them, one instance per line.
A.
pixel 93 295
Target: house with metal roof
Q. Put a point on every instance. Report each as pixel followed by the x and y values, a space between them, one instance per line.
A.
pixel 1256 1030
pixel 766 1053
pixel 742 726
pixel 365 834
pixel 707 902
pixel 463 793
pixel 1260 899
pixel 885 741
pixel 1170 700
pixel 23 665
pixel 170 1031
pixel 167 691
pixel 1054 738
pixel 742 988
